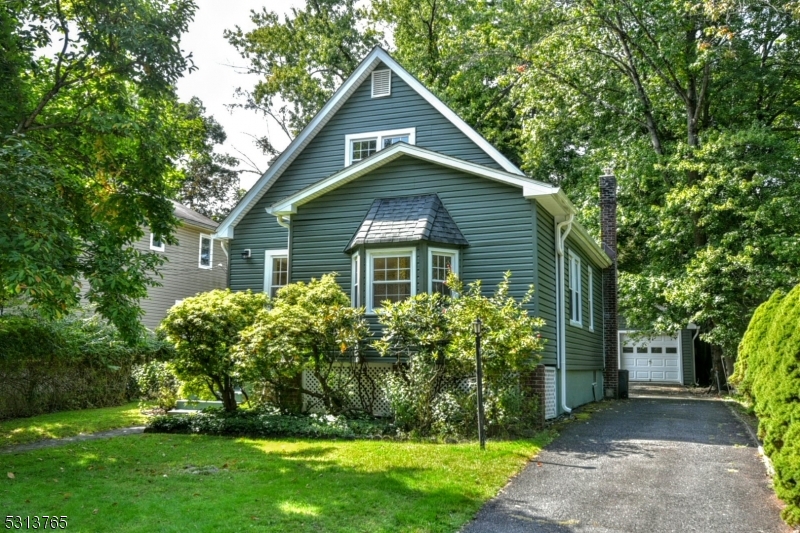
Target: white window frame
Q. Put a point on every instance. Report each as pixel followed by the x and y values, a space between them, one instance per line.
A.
pixel 355 279
pixel 372 83
pixel 576 311
pixel 590 271
pixel 388 252
pixel 378 136
pixel 210 252
pixel 441 251
pixel 153 247
pixel 269 255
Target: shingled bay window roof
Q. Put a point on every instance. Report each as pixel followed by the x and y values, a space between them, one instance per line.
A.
pixel 407 219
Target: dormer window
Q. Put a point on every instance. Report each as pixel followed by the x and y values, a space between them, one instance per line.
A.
pixel 381 83
pixel 360 146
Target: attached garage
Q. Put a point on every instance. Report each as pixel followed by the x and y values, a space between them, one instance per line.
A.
pixel 657 359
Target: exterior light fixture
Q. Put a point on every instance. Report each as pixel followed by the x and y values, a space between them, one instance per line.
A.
pixel 247 254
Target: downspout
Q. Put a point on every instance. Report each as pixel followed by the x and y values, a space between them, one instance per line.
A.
pixel 561 326
pixel 285 223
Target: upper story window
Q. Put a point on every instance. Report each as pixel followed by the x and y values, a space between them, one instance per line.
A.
pixel 381 83
pixel 391 275
pixel 355 290
pixel 359 146
pixel 276 271
pixel 206 251
pixel 441 263
pixel 575 290
pixel 156 243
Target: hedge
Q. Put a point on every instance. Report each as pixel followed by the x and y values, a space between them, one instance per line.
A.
pixel 768 371
pixel 74 363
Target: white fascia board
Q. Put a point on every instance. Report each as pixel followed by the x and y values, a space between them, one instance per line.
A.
pixel 289 205
pixel 225 229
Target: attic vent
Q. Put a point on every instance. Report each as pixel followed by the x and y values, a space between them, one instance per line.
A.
pixel 381 83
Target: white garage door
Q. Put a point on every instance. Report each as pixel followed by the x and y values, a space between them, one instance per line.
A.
pixel 651 359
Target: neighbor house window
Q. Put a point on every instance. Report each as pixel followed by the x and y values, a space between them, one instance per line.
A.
pixel 206 251
pixel 355 290
pixel 359 146
pixel 440 264
pixel 591 298
pixel 276 271
pixel 390 276
pixel 575 290
pixel 156 243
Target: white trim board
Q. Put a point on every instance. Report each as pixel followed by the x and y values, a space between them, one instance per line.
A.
pixel 364 69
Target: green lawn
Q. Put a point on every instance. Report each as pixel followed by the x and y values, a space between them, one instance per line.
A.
pixel 68 424
pixel 142 483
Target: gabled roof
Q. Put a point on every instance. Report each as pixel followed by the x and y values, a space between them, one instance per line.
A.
pixel 191 217
pixel 375 57
pixel 551 198
pixel 408 219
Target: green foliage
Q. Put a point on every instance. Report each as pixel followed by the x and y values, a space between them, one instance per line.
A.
pixel 157 384
pixel 309 327
pixel 302 59
pixel 768 371
pixel 261 423
pixel 90 134
pixel 432 336
pixel 204 330
pixel 72 363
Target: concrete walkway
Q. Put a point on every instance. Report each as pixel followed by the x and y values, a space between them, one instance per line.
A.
pixel 53 443
pixel 667 460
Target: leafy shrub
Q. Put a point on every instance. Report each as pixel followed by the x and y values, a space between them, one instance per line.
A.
pixel 269 423
pixel 156 383
pixel 431 335
pixel 309 327
pixel 204 329
pixel 73 363
pixel 768 370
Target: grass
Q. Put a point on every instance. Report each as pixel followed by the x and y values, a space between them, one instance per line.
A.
pixel 68 424
pixel 146 483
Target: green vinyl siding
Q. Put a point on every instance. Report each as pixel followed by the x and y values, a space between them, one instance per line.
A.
pixel 324 156
pixel 494 218
pixel 546 276
pixel 584 347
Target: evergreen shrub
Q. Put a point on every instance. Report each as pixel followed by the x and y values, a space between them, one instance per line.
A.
pixel 768 371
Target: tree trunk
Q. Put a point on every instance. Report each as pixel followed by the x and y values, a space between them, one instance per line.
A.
pixel 719 378
pixel 228 395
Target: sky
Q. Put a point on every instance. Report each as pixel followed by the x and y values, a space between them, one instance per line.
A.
pixel 220 70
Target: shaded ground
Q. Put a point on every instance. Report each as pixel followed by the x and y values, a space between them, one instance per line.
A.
pixel 666 460
pixel 52 443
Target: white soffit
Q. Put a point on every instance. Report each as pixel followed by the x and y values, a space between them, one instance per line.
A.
pixel 376 56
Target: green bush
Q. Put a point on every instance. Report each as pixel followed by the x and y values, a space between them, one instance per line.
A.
pixel 74 363
pixel 259 423
pixel 432 338
pixel 204 330
pixel 157 384
pixel 768 371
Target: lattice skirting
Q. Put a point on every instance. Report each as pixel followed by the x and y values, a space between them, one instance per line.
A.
pixel 550 409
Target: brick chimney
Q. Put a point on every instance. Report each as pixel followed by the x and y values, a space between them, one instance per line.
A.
pixel 608 228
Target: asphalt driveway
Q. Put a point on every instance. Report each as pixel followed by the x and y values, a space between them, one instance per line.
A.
pixel 657 463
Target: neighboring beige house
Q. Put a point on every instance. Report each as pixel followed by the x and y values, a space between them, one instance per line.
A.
pixel 196 264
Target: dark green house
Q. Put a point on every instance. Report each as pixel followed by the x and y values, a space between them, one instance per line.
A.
pixel 389 188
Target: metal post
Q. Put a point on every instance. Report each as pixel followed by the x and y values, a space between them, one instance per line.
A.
pixel 479 366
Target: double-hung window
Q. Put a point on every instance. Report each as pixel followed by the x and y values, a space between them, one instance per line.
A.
pixel 276 271
pixel 440 264
pixel 391 275
pixel 355 287
pixel 206 252
pixel 359 146
pixel 575 290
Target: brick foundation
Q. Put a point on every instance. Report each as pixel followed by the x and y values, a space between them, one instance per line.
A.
pixel 532 383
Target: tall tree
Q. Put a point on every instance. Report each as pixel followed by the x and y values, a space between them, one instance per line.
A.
pixel 302 59
pixel 89 132
pixel 211 182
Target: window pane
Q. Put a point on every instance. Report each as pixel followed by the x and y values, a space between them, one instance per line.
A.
pixel 205 251
pixel 280 274
pixel 362 149
pixel 672 350
pixel 157 242
pixel 627 349
pixel 641 349
pixel 440 268
pixel 391 279
pixel 388 141
pixel 655 349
